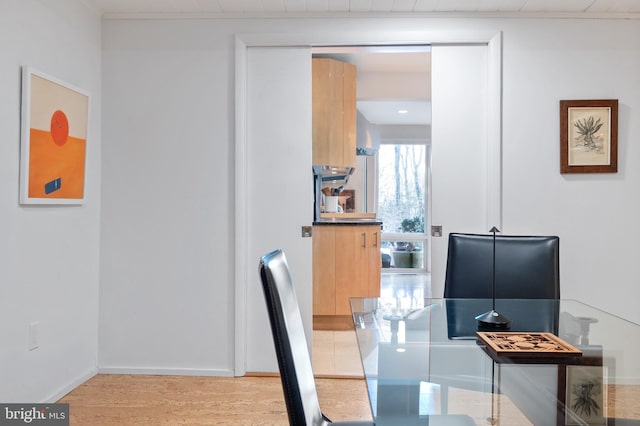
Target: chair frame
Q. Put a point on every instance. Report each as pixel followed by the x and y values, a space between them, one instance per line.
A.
pixel 294 361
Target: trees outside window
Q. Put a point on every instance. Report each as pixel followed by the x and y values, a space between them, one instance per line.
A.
pixel 401 204
pixel 401 187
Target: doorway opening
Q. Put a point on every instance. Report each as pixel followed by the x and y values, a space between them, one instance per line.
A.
pixel 393 100
pixel 457 93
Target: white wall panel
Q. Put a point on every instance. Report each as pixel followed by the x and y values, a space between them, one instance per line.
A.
pixel 166 294
pixel 280 184
pixel 49 255
pixel 459 148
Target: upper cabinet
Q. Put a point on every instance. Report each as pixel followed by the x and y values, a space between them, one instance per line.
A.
pixel 334 113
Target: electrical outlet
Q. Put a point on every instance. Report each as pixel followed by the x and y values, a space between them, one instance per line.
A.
pixel 34 335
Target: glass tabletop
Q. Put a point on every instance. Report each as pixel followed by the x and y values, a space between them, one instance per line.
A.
pixel 425 365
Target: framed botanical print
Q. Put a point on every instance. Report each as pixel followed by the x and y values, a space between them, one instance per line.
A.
pixel 589 136
pixel 586 394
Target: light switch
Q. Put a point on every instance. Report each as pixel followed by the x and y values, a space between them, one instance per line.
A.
pixel 436 230
pixel 306 231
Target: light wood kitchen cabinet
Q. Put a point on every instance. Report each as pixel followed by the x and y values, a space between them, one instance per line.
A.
pixel 334 113
pixel 324 270
pixel 346 263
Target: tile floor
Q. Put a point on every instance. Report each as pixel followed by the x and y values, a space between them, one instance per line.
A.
pixel 335 353
pixel 408 289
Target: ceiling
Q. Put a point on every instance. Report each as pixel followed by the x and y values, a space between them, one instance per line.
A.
pixel 396 111
pixel 584 8
pixel 387 62
pixel 380 58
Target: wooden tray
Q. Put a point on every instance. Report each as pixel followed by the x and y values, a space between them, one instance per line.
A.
pixel 521 344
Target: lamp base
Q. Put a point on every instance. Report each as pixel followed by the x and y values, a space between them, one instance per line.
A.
pixel 493 321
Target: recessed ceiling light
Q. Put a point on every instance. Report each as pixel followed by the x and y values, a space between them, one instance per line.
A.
pixel 403 111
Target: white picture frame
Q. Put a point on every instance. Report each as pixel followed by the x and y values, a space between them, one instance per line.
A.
pixel 54 140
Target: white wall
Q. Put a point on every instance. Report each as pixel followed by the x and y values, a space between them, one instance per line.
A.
pixel 596 216
pixel 166 295
pixel 167 280
pixel 49 258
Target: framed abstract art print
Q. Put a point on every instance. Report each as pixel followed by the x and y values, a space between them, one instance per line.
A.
pixel 53 143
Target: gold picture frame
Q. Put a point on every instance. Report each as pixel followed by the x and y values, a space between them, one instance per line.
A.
pixel 589 136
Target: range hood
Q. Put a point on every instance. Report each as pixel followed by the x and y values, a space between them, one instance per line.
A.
pixel 367 143
pixel 332 173
pixel 367 136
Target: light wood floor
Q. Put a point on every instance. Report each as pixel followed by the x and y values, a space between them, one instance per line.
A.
pixel 138 400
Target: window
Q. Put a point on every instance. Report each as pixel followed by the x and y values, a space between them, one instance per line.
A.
pixel 402 172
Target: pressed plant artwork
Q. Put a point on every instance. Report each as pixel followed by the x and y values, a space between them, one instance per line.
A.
pixel 586 398
pixel 589 136
pixel 586 395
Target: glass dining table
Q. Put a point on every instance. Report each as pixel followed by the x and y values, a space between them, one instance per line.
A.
pixel 425 364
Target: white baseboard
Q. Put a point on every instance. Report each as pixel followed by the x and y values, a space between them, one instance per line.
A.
pixel 166 371
pixel 71 386
pixel 134 370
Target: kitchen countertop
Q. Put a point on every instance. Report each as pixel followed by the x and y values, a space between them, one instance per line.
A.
pixel 348 219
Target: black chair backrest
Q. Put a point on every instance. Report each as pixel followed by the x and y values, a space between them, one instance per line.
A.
pixel 527 267
pixel 294 361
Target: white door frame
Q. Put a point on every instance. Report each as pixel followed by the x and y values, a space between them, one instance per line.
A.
pixel 243 265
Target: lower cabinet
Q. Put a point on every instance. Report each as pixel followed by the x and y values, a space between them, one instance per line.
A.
pixel 346 263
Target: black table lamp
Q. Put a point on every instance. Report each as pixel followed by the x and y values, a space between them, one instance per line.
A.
pixel 493 320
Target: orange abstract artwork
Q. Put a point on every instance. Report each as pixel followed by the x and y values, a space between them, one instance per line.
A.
pixel 57 140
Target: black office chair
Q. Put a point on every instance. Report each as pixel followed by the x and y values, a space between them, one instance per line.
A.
pixel 292 351
pixel 527 267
